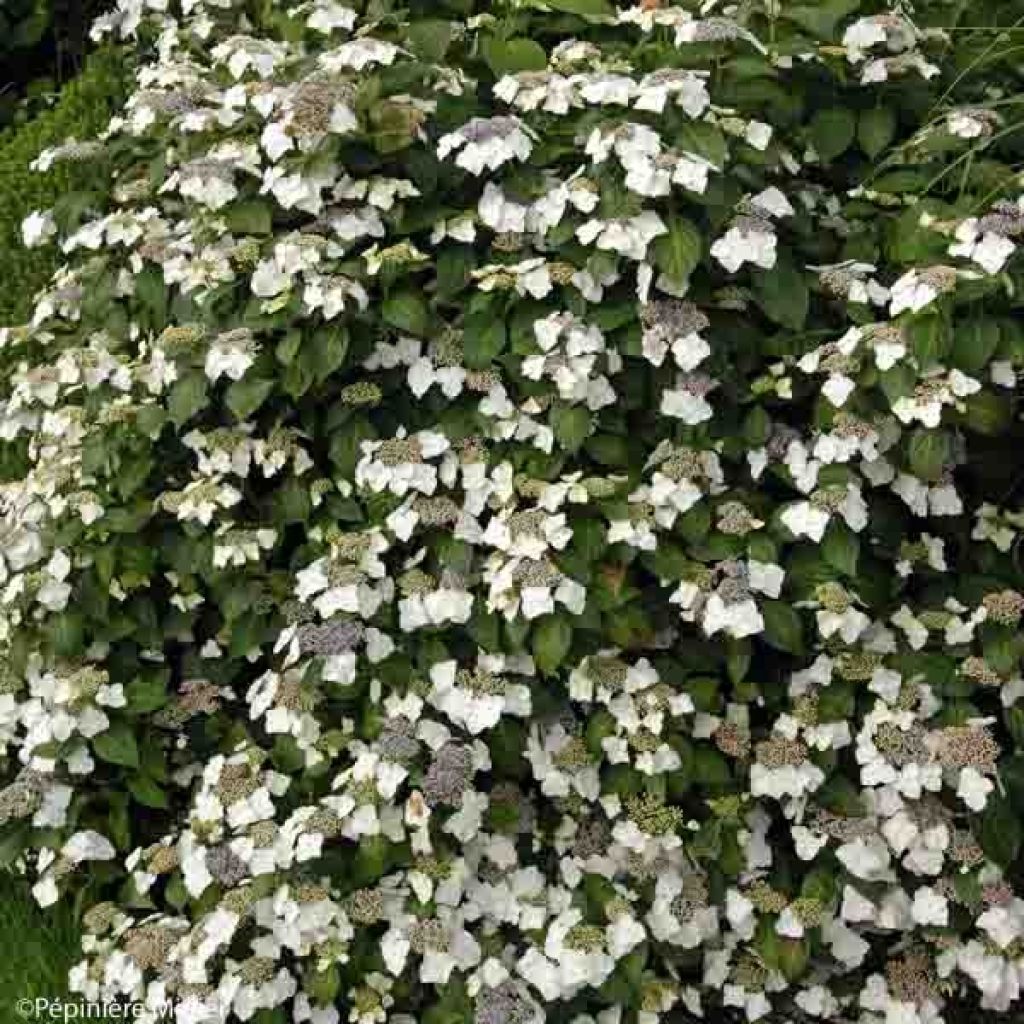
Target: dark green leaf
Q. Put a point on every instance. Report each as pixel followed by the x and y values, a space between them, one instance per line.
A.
pixel 677 253
pixel 146 791
pixel 407 312
pixel 187 397
pixel 250 217
pixel 841 548
pixel 483 339
pixel 245 396
pixel 430 38
pixel 782 294
pixel 588 9
pixel 875 129
pixel 928 452
pixel 550 642
pixel 507 56
pixel 571 426
pixel 782 626
pixel 1001 832
pixel 832 131
pixel 117 745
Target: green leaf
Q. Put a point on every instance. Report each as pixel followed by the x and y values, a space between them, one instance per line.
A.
pixel 430 38
pixel 737 659
pixel 117 745
pixel 571 426
pixel 508 56
pixel 875 129
pixel 345 444
pixel 793 957
pixel 588 9
pixel 245 396
pixel 187 397
pixel 151 292
pixel 974 344
pixel 608 449
pixel 831 132
pixel 393 126
pixel 13 843
pixel 550 642
pixel 407 312
pixel 325 352
pixel 819 884
pixel 67 631
pixel 145 695
pixel 484 337
pixel 988 414
pixel 507 741
pixel 898 382
pixel 600 726
pixel 146 791
pixel 703 139
pixel 453 267
pixel 677 253
pixel 783 628
pixel 288 347
pixel 782 294
pixel 929 338
pixel 927 452
pixel 710 768
pixel 840 795
pixel 250 217
pixel 1001 832
pixel 323 986
pixel 820 19
pixel 904 180
pixel 757 427
pixel 371 860
pixel 841 548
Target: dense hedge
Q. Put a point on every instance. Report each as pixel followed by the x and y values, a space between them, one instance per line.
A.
pixel 42 46
pixel 512 513
pixel 84 107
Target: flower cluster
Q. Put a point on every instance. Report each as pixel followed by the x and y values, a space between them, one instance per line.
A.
pixel 507 516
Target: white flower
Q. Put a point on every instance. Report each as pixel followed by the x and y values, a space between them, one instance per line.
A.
pixel 88 845
pixel 359 54
pixel 988 249
pixel 487 143
pixel 1003 924
pixel 930 907
pixel 806 520
pixel 230 355
pixel 629 236
pixel 773 202
pixel 687 405
pixel 865 859
pixel 913 291
pixel 327 16
pixel 745 243
pixel 973 788
pixel 37 228
pixel 738 619
pixel 758 134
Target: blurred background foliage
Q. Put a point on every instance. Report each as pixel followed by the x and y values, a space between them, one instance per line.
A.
pixel 83 107
pixel 42 46
pixel 51 89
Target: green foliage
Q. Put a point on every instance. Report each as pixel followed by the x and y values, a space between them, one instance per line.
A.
pixel 84 107
pixel 40 947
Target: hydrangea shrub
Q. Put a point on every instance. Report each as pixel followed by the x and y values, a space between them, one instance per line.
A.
pixel 511 512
